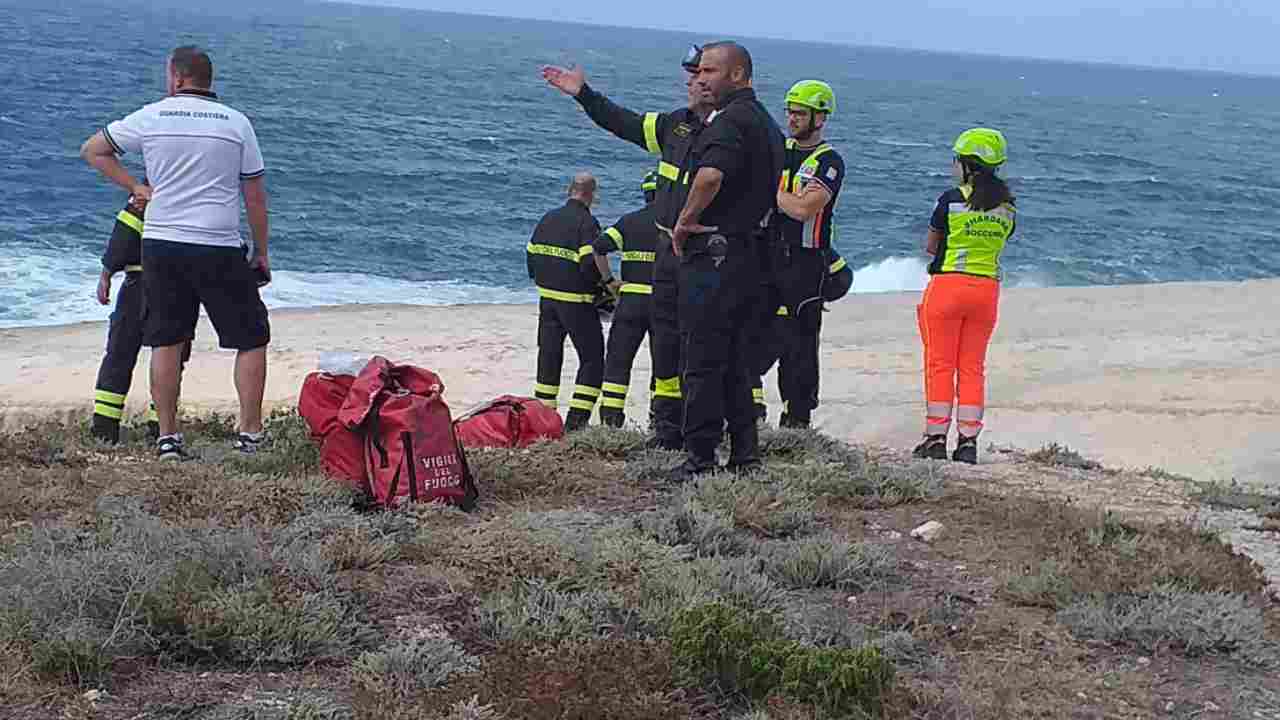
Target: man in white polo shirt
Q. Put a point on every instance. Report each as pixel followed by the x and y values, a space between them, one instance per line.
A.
pixel 201 156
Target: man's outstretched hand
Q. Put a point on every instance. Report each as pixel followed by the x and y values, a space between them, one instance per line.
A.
pixel 568 81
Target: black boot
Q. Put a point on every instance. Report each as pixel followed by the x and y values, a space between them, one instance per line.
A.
pixel 692 468
pixel 657 442
pixel 612 417
pixel 966 450
pixel 576 420
pixel 106 429
pixel 795 422
pixel 744 453
pixel 934 447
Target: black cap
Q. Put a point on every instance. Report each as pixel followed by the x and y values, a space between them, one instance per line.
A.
pixel 692 58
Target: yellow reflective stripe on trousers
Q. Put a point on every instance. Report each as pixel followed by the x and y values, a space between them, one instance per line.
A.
pixel 109 397
pixel 587 405
pixel 613 403
pixel 614 388
pixel 837 266
pixel 551 403
pixel 651 133
pixel 636 289
pixel 131 220
pixel 551 390
pixel 614 233
pixel 553 251
pixel 565 296
pixel 639 256
pixel 586 390
pixel 667 388
pixel 109 411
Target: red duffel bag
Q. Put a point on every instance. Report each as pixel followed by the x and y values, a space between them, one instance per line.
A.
pixel 509 422
pixel 410 450
pixel 341 449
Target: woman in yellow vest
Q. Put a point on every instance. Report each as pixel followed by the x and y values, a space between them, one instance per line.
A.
pixel 967 234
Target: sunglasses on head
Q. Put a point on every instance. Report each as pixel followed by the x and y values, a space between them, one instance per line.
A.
pixel 692 58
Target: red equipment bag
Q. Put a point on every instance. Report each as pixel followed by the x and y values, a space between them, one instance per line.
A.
pixel 410 450
pixel 341 450
pixel 509 422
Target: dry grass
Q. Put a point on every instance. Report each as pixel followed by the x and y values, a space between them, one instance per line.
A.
pixel 569 592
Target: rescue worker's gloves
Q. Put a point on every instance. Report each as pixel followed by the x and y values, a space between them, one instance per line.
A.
pixel 985 145
pixel 813 94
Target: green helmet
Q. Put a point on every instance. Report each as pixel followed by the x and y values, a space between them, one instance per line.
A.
pixel 985 144
pixel 650 182
pixel 813 94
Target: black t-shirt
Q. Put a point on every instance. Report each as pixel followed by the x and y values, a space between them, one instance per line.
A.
pixel 829 171
pixel 743 142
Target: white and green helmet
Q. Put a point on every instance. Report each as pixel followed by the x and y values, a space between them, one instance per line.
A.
pixel 813 94
pixel 986 145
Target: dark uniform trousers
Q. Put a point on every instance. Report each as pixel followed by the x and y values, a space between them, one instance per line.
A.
pixel 115 374
pixel 581 323
pixel 719 298
pixel 630 325
pixel 796 328
pixel 666 347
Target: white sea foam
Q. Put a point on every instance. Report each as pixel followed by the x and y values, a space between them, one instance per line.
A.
pixel 894 274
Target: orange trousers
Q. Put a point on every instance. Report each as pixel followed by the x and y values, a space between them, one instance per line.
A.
pixel 956 317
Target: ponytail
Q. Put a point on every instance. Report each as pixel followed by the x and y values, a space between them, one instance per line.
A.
pixel 989 190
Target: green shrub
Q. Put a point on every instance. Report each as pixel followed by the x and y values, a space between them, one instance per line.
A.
pixel 743 653
pixel 256 625
pixel 768 509
pixel 537 611
pixel 827 562
pixel 1193 623
pixel 600 440
pixel 414 662
pixel 688 523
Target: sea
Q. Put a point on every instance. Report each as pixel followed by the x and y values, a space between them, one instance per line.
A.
pixel 411 153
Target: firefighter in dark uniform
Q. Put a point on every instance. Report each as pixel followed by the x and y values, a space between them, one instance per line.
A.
pixel 736 165
pixel 635 236
pixel 776 333
pixel 670 136
pixel 124 334
pixel 807 272
pixel 560 263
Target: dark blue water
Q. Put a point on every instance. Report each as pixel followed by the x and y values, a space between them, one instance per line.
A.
pixel 410 153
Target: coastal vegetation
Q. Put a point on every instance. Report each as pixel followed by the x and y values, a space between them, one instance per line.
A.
pixel 252 588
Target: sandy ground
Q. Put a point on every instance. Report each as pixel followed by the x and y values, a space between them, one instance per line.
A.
pixel 1182 376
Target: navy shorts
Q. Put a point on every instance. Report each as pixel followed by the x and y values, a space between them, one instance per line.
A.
pixel 180 277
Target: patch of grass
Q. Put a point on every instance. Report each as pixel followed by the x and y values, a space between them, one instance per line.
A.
pixel 1056 455
pixel 47 444
pixel 209 425
pixel 606 442
pixel 1234 496
pixel 736 581
pixel 741 653
pixel 471 710
pixel 537 611
pixel 416 661
pixel 770 510
pixel 1081 553
pixel 828 562
pixel 687 522
pixel 1195 624
pixel 289 449
pixel 256 624
pixel 650 467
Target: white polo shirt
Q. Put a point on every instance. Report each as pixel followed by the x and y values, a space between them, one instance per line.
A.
pixel 196 151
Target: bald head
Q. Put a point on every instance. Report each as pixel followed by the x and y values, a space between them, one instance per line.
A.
pixel 725 68
pixel 583 187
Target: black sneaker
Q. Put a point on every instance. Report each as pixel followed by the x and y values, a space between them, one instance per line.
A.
pixel 249 443
pixel 793 422
pixel 690 470
pixel 966 450
pixel 934 447
pixel 170 447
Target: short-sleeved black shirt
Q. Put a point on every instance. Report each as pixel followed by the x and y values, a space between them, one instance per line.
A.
pixel 829 171
pixel 744 142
